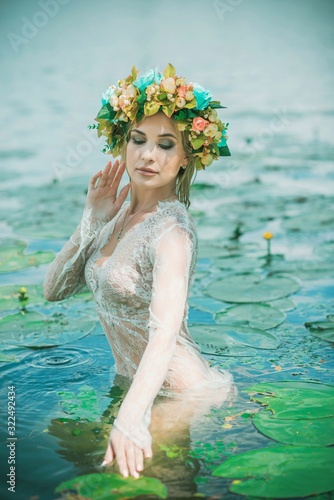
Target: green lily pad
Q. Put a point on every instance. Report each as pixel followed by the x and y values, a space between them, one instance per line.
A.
pixel 295 400
pixel 207 251
pixel 223 340
pixel 284 304
pixel 304 432
pixel 315 220
pixel 250 287
pixel 36 330
pixel 83 406
pixel 42 207
pixel 113 486
pixel 12 257
pixel 7 358
pixel 206 304
pixel 10 246
pixel 322 329
pixel 240 263
pixel 11 354
pixel 305 269
pixel 10 296
pixel 280 472
pixel 261 316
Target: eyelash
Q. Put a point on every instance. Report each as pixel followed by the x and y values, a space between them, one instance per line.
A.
pixel 162 146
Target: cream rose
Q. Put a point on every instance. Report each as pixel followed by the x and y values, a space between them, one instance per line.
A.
pixel 123 102
pixel 113 101
pixel 181 81
pixel 189 95
pixel 169 85
pixel 150 90
pixel 213 116
pixel 180 102
pixel 130 91
pixel 211 130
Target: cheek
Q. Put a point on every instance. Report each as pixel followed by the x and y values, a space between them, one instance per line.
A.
pixel 131 151
pixel 171 163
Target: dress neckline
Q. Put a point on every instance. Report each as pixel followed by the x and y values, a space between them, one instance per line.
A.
pixel 159 205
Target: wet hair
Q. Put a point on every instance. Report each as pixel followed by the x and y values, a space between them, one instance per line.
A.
pixel 184 178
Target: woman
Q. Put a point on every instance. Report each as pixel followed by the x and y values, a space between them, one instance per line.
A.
pixel 139 257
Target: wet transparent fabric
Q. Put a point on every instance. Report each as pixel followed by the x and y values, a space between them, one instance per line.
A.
pixel 141 292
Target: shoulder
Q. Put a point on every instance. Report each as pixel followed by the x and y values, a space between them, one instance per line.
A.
pixel 174 213
pixel 171 221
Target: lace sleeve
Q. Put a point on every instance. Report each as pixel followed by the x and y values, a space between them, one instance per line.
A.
pixel 172 256
pixel 65 276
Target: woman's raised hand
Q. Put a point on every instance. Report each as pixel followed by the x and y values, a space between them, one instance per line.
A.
pixel 102 196
pixel 128 455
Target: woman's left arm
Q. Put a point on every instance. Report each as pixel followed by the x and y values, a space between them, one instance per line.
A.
pixel 172 255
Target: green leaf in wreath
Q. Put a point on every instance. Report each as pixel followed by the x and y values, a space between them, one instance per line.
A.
pixel 151 107
pixel 169 71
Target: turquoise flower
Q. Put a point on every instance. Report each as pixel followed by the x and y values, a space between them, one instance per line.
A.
pixel 152 76
pixel 202 96
pixel 222 141
pixel 106 96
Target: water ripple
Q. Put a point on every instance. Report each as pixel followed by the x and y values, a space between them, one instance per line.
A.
pixel 63 357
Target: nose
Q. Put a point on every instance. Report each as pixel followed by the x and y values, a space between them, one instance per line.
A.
pixel 148 152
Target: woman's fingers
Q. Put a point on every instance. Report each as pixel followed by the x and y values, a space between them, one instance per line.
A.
pixel 110 176
pixel 94 179
pixel 148 452
pixel 103 180
pixel 115 176
pixel 121 461
pixel 139 459
pixel 122 195
pixel 109 455
pixel 131 458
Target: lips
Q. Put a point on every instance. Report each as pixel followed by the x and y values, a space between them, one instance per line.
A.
pixel 148 170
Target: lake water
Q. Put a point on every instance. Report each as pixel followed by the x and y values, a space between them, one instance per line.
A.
pixel 271 64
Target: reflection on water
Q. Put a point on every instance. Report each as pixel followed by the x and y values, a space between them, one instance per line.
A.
pixel 84 443
pixel 271 64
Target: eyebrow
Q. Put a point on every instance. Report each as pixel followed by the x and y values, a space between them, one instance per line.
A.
pixel 160 135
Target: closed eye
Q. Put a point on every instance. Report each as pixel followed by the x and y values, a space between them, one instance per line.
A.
pixel 168 145
pixel 163 145
pixel 136 140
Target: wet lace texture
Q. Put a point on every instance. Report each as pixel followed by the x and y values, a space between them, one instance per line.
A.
pixel 141 292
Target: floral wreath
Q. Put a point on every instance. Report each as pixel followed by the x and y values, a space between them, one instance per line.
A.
pixel 190 105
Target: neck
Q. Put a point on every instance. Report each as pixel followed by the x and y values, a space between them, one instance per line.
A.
pixel 141 200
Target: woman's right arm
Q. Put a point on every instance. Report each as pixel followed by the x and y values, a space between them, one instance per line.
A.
pixel 65 276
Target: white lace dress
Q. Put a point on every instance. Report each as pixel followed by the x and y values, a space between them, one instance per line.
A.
pixel 141 292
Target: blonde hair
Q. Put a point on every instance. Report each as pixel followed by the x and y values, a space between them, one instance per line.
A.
pixel 184 178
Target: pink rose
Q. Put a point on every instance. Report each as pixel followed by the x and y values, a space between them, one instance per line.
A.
pixel 199 124
pixel 182 90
